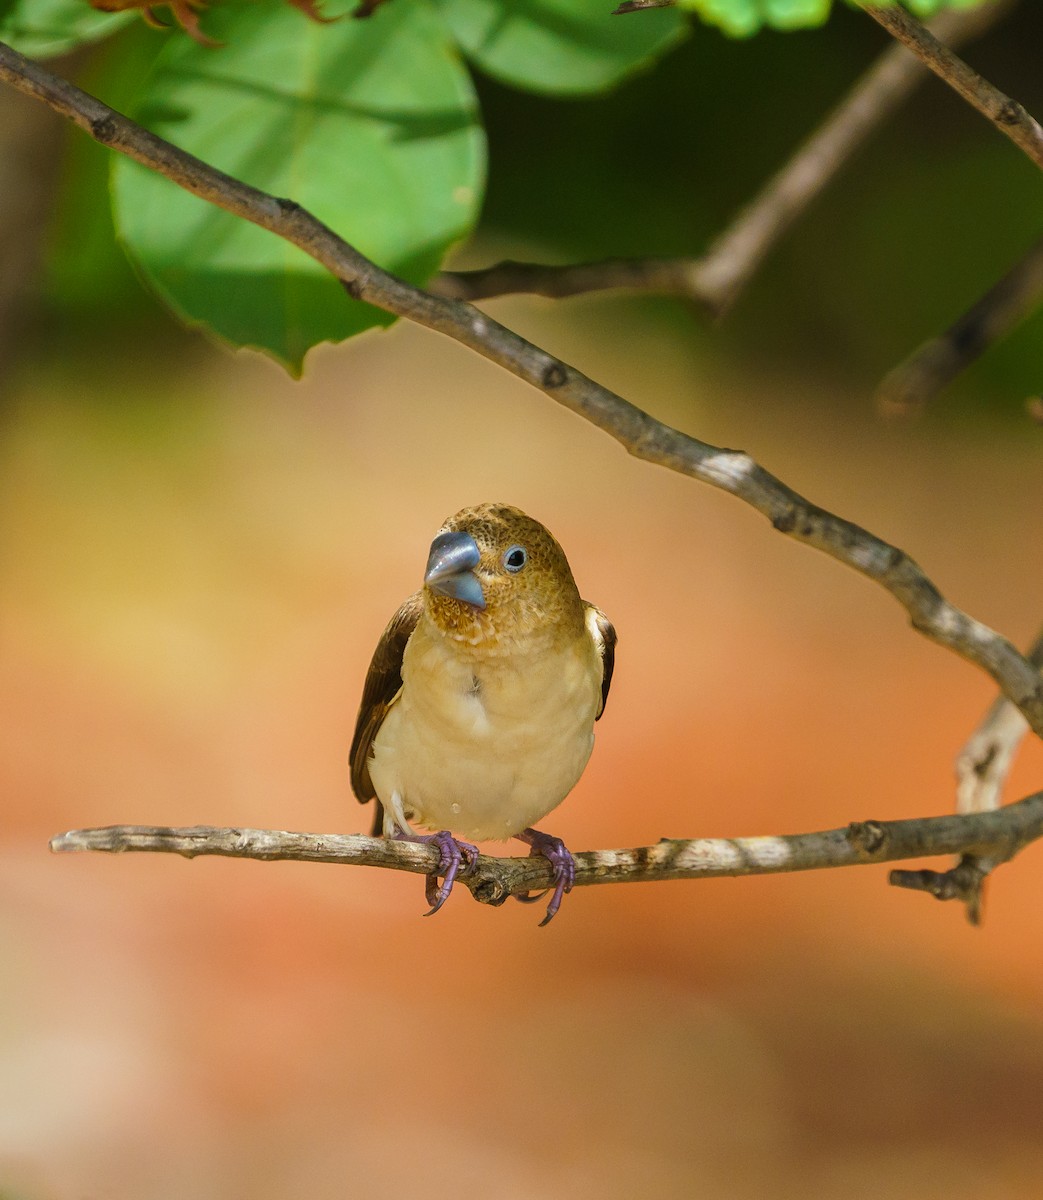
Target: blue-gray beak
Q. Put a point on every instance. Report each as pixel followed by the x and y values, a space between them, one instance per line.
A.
pixel 450 568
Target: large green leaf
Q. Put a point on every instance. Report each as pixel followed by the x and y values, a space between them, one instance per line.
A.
pixel 740 18
pixel 44 28
pixel 372 125
pixel 562 47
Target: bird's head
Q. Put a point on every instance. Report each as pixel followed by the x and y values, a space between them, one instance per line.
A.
pixel 494 574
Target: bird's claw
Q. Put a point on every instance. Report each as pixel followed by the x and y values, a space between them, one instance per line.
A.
pixel 454 858
pixel 557 854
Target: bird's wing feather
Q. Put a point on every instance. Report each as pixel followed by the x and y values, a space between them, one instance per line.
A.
pixel 383 683
pixel 604 634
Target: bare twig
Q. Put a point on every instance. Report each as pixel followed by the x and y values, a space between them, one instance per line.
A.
pixel 1006 114
pixel 639 433
pixel 986 757
pixel 629 6
pixel 964 882
pixel 665 276
pixel 981 771
pixel 999 834
pixel 715 279
pixel 937 362
pixel 985 760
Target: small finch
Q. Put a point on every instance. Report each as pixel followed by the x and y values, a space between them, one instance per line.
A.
pixel 477 715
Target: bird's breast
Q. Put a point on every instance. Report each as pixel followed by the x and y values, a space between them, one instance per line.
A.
pixel 487 745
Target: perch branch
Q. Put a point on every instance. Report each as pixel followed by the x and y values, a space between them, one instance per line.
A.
pixel 1006 114
pixel 715 279
pixel 999 835
pixel 636 430
pixel 937 362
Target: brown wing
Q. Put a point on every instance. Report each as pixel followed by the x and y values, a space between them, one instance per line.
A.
pixel 605 636
pixel 383 682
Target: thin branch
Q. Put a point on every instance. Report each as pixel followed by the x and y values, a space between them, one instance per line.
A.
pixel 715 279
pixel 629 6
pixel 982 767
pixel 937 362
pixel 1006 114
pixel 964 882
pixel 985 760
pixel 999 835
pixel 664 276
pixel 639 433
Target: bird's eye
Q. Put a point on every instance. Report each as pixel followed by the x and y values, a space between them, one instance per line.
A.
pixel 515 559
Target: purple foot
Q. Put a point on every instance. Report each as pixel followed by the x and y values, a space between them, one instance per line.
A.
pixel 455 858
pixel 553 849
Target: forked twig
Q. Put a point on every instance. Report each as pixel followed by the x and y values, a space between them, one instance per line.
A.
pixel 982 767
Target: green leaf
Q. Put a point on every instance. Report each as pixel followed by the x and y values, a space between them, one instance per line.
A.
pixel 561 47
pixel 370 124
pixel 44 28
pixel 741 18
pixel 928 8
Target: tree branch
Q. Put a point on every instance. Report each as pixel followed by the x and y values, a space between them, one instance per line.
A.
pixel 1006 114
pixel 981 771
pixel 639 433
pixel 630 6
pixel 964 882
pixel 937 362
pixel 998 835
pixel 984 762
pixel 665 276
pixel 715 279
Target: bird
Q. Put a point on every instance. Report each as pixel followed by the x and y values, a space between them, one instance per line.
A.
pixel 478 710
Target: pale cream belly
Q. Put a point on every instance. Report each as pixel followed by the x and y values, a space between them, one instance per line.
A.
pixel 485 750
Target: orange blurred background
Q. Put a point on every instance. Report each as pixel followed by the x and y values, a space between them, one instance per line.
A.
pixel 192 590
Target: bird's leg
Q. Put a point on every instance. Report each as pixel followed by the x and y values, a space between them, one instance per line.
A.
pixel 455 858
pixel 554 851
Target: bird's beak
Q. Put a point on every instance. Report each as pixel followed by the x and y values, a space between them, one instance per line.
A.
pixel 450 568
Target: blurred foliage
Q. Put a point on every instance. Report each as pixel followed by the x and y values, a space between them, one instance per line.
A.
pixel 44 28
pixel 930 212
pixel 740 18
